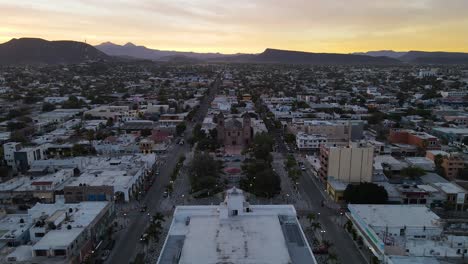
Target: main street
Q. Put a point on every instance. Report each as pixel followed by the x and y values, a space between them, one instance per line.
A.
pixel 127 244
pixel 311 192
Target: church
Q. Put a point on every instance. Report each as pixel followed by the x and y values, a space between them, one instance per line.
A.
pixel 234 131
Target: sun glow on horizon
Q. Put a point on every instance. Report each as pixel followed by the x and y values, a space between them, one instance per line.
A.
pixel 243 26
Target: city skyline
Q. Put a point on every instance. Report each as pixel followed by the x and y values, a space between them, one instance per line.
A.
pixel 243 26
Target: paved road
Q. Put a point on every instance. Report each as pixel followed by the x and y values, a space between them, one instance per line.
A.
pixel 312 193
pixel 331 222
pixel 127 246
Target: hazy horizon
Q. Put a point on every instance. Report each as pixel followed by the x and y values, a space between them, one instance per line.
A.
pixel 245 27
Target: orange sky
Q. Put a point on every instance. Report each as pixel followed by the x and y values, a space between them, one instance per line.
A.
pixel 245 25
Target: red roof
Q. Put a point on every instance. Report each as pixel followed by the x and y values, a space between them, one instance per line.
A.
pixel 232 170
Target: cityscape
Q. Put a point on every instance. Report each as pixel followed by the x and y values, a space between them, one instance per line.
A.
pixel 213 153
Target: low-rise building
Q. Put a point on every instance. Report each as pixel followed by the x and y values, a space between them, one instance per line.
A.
pixel 67 232
pixel 14 229
pixel 108 179
pixel 400 230
pixel 421 140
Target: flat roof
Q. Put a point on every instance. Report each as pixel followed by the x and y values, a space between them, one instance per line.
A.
pixel 451 130
pixel 268 234
pixel 448 187
pixel 58 239
pixel 11 226
pixel 395 215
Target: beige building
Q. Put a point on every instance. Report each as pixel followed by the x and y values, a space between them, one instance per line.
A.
pixel 349 164
pixel 336 130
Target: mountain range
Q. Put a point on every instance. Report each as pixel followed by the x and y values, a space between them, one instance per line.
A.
pixel 142 52
pixel 39 51
pixel 421 57
pixel 385 53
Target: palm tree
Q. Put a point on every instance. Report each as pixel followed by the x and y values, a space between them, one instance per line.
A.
pixel 332 257
pixel 327 243
pixel 311 217
pixel 158 217
pixel 315 226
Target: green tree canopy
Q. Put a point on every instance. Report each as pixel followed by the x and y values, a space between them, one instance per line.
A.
pixel 412 172
pixel 204 172
pixel 365 193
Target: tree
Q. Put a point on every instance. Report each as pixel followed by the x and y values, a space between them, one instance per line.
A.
pixel 438 160
pixel 365 193
pixel 73 102
pixel 311 217
pixel 260 178
pixel 47 107
pixel 110 122
pixel 19 136
pixel 204 172
pixel 262 146
pixel 290 138
pixel 315 226
pixel 376 118
pixel 198 133
pixel 15 125
pixel 412 172
pixel 180 128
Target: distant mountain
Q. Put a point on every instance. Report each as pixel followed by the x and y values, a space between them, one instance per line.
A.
pixel 424 57
pixel 385 53
pixel 40 51
pixel 299 57
pixel 142 52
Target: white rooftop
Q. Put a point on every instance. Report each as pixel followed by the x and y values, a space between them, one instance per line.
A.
pixel 11 226
pixel 449 188
pixel 58 239
pixel 390 215
pixel 241 240
pixel 263 234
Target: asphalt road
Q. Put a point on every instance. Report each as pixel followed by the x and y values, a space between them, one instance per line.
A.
pixel 331 221
pixel 313 193
pixel 127 245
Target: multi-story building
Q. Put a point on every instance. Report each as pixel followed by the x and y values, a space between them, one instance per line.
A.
pixel 452 163
pixel 236 232
pixel 334 130
pixel 349 164
pixel 307 142
pixel 421 140
pixel 9 150
pixel 24 157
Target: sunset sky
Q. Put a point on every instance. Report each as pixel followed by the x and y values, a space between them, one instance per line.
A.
pixel 247 26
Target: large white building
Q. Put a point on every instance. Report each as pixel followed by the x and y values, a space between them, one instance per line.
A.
pixel 399 233
pixel 236 232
